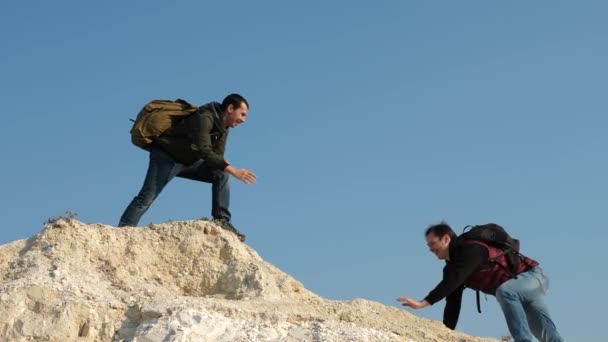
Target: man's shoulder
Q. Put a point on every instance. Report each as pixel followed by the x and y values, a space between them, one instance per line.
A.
pixel 466 248
pixel 203 111
pixel 210 107
pixel 462 243
pixel 203 116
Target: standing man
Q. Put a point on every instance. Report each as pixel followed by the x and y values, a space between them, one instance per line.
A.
pixel 194 149
pixel 521 298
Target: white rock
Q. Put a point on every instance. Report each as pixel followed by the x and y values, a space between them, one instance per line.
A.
pixel 180 281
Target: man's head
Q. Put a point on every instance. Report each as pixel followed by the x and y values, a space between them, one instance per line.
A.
pixel 235 109
pixel 438 238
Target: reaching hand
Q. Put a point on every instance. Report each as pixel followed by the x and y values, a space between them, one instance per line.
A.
pixel 245 176
pixel 412 303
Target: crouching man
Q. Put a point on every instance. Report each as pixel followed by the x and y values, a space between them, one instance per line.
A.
pixel 521 298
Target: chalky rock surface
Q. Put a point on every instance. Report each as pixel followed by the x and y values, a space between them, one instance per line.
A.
pixel 178 281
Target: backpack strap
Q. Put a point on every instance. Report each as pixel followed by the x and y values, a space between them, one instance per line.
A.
pixel 477 298
pixel 464 230
pixel 504 253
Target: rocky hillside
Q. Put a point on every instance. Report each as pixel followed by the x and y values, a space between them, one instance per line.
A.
pixel 179 281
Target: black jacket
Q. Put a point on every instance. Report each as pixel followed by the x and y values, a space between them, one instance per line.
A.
pixel 465 259
pixel 201 135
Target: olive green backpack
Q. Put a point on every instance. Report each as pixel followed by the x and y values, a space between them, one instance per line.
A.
pixel 156 117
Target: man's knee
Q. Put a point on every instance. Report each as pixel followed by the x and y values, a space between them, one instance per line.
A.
pixel 221 177
pixel 505 292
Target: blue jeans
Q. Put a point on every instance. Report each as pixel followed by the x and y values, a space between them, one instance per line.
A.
pixel 161 170
pixel 522 302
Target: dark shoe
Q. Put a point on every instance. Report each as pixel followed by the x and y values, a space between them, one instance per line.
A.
pixel 229 227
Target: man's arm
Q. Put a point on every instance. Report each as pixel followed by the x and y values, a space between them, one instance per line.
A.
pixel 203 124
pixel 451 312
pixel 221 148
pixel 202 140
pixel 467 260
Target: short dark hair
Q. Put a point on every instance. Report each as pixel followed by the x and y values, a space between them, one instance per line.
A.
pixel 440 229
pixel 235 100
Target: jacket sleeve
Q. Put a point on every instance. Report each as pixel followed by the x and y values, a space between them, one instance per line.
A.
pixel 451 312
pixel 465 261
pixel 221 148
pixel 203 124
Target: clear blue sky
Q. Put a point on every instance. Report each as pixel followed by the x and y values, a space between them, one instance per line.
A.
pixel 368 121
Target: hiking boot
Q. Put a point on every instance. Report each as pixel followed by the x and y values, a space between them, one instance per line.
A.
pixel 229 227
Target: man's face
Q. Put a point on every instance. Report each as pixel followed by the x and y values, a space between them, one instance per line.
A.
pixel 235 116
pixel 440 246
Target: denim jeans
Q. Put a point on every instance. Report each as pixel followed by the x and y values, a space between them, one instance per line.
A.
pixel 522 302
pixel 161 169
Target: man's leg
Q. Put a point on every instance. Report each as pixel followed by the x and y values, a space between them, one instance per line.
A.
pixel 540 321
pixel 161 169
pixel 510 301
pixel 220 187
pixel 220 190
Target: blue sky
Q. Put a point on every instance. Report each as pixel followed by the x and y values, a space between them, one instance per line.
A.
pixel 368 122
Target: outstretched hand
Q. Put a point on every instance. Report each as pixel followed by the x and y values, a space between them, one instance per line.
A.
pixel 412 303
pixel 245 176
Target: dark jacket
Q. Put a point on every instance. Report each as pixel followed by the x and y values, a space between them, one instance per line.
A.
pixel 201 135
pixel 467 260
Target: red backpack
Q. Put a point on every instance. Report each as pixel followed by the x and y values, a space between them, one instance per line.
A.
pixel 508 258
